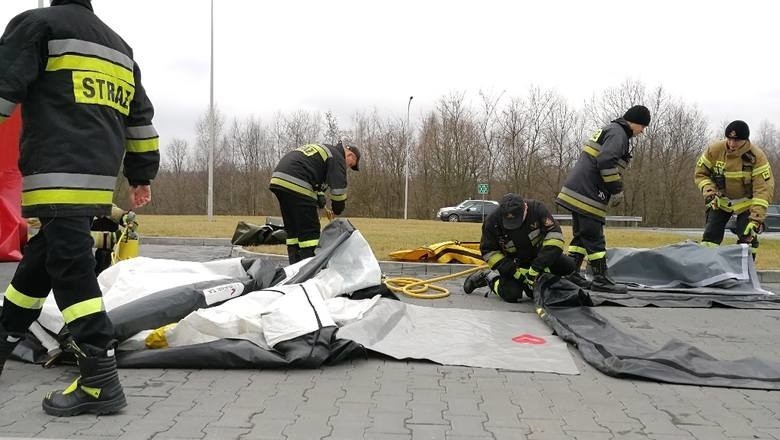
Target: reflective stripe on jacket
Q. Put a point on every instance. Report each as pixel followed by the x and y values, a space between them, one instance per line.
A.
pixel 749 183
pixel 596 175
pixel 537 243
pixel 313 168
pixel 84 110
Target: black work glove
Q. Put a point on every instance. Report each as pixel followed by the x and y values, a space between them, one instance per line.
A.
pixel 338 206
pixel 321 200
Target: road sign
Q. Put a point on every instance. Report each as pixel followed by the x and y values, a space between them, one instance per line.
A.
pixel 483 188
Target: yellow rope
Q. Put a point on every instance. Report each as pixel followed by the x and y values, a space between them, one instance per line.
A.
pixel 416 288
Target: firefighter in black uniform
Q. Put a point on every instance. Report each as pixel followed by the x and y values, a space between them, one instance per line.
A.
pixel 300 182
pixel 520 240
pixel 594 184
pixel 84 114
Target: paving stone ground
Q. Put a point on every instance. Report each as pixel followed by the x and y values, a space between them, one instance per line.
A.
pixel 385 399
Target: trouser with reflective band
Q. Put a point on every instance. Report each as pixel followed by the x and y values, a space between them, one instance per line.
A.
pixel 301 223
pixel 715 227
pixel 588 237
pixel 511 289
pixel 59 257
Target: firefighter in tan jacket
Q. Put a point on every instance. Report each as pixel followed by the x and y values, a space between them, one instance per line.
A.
pixel 734 177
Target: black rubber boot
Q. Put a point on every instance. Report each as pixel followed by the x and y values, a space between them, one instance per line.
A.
pixel 475 280
pixel 601 280
pixel 6 346
pixel 576 277
pixel 96 391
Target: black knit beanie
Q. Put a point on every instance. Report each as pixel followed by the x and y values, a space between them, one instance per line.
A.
pixel 738 130
pixel 638 114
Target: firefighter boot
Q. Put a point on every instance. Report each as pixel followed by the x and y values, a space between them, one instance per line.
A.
pixel 576 276
pixel 475 280
pixel 6 346
pixel 96 391
pixel 601 280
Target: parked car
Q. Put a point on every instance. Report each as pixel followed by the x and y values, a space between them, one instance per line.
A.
pixel 467 211
pixel 771 224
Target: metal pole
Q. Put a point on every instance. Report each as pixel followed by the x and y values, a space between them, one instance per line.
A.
pixel 40 3
pixel 212 125
pixel 406 161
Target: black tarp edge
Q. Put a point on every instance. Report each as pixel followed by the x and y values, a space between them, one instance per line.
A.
pixel 567 310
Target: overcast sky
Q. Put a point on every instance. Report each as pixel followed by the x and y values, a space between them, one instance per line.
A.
pixel 362 54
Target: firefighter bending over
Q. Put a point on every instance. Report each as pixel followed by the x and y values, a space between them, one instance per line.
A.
pixel 594 184
pixel 734 177
pixel 520 240
pixel 300 182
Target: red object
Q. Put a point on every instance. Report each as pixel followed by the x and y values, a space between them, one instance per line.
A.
pixel 526 338
pixel 13 228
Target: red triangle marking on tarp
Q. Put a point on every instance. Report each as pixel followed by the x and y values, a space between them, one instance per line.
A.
pixel 526 338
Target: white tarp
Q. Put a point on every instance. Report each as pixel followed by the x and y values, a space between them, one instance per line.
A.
pixel 493 339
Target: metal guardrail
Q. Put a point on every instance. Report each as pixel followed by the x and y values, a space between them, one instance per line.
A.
pixel 634 220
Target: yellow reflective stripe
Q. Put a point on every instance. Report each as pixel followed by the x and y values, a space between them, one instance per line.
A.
pixel 495 258
pixel 22 300
pixel 597 255
pixel 553 242
pixel 571 200
pixel 72 387
pixel 761 202
pixel 708 244
pixel 291 241
pixel 706 182
pixel 142 145
pixel 612 178
pixel 590 150
pixel 761 169
pixel 293 187
pixel 520 272
pixel 67 197
pixel 308 243
pixel 322 152
pixel 578 250
pixel 736 174
pixel 82 309
pixel 79 62
pixel 741 205
pixel 338 197
pixel 753 250
pixel 94 392
pixel 703 160
pixel 532 272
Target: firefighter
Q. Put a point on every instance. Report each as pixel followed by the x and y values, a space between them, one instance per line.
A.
pixel 520 240
pixel 300 182
pixel 84 113
pixel 734 177
pixel 594 184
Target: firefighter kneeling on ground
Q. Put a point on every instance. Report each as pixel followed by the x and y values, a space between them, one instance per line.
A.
pixel 520 240
pixel 734 177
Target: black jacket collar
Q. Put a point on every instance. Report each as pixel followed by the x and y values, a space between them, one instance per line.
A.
pixel 86 3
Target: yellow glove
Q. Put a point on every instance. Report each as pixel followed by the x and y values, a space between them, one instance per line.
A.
pixel 753 228
pixel 722 203
pixel 530 278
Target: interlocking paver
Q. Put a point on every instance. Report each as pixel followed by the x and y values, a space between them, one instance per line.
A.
pixel 385 399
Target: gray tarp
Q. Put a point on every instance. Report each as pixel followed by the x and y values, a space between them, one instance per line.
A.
pixel 568 310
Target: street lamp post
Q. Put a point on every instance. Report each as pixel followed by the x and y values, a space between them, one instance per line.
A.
pixel 212 126
pixel 406 161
